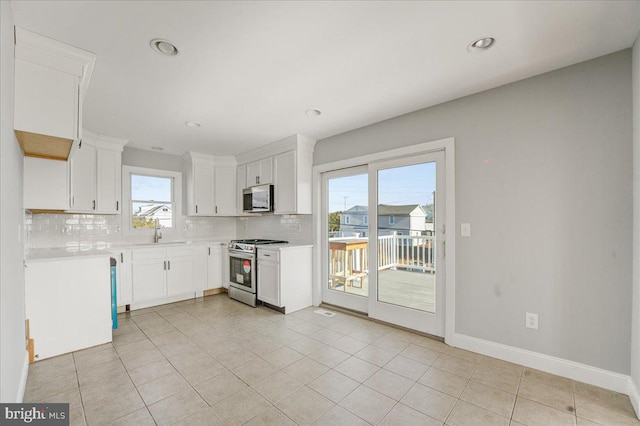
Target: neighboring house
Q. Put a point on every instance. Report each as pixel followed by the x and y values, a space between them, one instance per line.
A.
pixel 149 213
pixel 408 219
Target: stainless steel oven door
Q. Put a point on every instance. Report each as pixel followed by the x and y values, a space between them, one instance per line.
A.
pixel 242 271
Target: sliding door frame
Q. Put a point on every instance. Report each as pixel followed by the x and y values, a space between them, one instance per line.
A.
pixel 448 146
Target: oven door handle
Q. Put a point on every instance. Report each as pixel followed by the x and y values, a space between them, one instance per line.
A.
pixel 242 255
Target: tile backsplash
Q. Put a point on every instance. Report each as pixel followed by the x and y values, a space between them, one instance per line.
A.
pixel 296 229
pixel 85 230
pixel 78 231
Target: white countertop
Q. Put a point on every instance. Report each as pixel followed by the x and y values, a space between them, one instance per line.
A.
pixel 275 247
pixel 44 254
pixel 61 253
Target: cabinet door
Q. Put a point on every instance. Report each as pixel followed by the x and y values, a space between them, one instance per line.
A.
pixel 253 173
pixel 266 171
pixel 180 276
pixel 46 101
pixel 225 191
pixel 149 278
pixel 108 179
pixel 46 184
pixel 268 283
pixel 214 267
pixel 83 179
pixel 124 284
pixel 241 184
pixel 203 187
pixel 285 183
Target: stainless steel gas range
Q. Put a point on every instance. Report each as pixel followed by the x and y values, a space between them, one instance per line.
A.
pixel 243 264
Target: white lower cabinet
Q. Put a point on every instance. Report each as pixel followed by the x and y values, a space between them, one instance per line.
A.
pixel 68 304
pixel 268 278
pixel 162 273
pixel 215 266
pixel 284 277
pixel 180 275
pixel 124 291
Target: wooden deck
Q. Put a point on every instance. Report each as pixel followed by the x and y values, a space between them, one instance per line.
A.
pixel 411 289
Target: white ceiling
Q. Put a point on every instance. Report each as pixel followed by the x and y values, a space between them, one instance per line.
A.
pixel 248 71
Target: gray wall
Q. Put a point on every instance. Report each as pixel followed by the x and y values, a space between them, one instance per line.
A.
pixel 635 339
pixel 150 159
pixel 12 314
pixel 544 176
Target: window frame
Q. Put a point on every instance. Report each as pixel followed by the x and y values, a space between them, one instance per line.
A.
pixel 392 220
pixel 365 219
pixel 176 189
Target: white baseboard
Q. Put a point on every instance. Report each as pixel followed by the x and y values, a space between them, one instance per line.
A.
pixel 634 396
pixel 550 364
pixel 23 378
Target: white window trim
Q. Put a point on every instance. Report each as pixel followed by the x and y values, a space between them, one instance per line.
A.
pixel 127 227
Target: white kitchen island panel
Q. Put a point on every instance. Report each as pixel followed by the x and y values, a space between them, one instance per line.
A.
pixel 68 303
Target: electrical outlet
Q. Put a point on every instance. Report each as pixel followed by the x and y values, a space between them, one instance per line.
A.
pixel 531 321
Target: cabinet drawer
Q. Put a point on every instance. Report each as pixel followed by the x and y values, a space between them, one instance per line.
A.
pixel 273 256
pixel 148 254
pixel 180 251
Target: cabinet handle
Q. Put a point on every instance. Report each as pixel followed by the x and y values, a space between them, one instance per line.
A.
pixel 168 264
pixel 94 204
pixel 216 209
pixel 196 209
pixel 121 258
pixel 266 255
pixel 165 265
pixel 209 251
pixel 117 205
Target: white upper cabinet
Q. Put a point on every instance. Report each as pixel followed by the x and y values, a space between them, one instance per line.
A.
pixel 199 170
pixel 51 79
pixel 225 190
pixel 210 185
pixel 96 174
pixel 260 172
pixel 241 184
pixel 293 181
pixel 83 178
pixel 289 164
pixel 46 184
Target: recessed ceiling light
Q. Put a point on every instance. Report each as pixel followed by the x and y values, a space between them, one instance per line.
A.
pixel 192 124
pixel 157 148
pixel 163 47
pixel 481 44
pixel 313 112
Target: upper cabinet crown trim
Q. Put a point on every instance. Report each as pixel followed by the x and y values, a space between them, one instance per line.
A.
pixel 103 141
pixel 278 147
pixel 34 47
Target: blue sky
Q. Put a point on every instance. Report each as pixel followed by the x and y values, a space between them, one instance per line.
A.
pixel 150 188
pixel 401 185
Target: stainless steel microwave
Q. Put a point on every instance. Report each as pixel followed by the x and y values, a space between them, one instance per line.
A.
pixel 257 199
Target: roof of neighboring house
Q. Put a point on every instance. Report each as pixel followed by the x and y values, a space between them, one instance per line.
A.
pixel 150 210
pixel 357 209
pixel 388 210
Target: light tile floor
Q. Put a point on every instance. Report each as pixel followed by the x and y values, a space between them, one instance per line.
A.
pixel 214 361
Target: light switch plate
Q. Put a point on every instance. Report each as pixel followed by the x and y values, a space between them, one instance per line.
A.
pixel 465 229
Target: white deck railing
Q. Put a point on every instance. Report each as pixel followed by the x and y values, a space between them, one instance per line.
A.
pixel 408 252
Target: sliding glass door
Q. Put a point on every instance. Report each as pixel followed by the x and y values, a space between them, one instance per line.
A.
pixel 346 203
pixel 384 238
pixel 407 286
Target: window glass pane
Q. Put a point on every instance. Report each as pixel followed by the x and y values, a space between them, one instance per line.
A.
pixel 151 188
pixel 144 214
